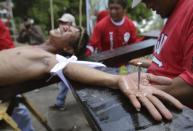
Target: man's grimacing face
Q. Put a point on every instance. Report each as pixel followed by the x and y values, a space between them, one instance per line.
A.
pixel 66 32
pixel 162 7
pixel 62 36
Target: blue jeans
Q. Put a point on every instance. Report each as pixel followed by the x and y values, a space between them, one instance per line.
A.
pixel 22 117
pixel 63 90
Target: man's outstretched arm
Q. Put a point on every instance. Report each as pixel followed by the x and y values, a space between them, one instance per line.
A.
pixel 91 76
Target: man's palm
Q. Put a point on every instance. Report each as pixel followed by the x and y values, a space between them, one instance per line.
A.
pixel 147 94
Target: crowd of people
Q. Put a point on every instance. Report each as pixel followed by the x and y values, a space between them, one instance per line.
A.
pixel 169 75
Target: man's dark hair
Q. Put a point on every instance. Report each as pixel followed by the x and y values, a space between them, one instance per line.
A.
pixel 80 44
pixel 123 3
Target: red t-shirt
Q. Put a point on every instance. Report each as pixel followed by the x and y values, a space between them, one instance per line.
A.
pixel 107 35
pixel 173 53
pixel 5 38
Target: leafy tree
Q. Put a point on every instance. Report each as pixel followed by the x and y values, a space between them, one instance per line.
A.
pixel 138 13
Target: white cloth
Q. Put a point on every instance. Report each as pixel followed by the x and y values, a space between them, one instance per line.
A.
pixel 63 62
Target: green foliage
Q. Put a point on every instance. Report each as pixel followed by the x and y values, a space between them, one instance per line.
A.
pixel 138 13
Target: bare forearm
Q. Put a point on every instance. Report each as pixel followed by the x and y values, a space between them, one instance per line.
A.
pixel 181 90
pixel 84 74
pixel 91 76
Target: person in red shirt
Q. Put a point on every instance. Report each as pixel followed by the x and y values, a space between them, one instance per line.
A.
pixel 113 31
pixel 5 38
pixel 173 53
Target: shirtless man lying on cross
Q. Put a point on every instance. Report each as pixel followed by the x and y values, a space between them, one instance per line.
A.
pixel 28 62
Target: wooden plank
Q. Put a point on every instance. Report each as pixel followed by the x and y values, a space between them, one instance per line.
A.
pixel 125 53
pixel 110 110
